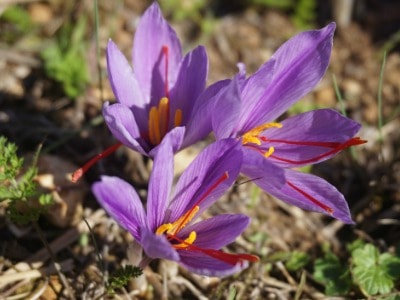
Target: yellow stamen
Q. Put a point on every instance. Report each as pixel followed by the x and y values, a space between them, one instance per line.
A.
pixel 269 152
pixel 252 136
pixel 163 228
pixel 174 228
pixel 159 118
pixel 178 118
pixel 154 126
pixel 188 241
pixel 163 114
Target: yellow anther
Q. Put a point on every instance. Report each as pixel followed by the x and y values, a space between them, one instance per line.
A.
pixel 154 126
pixel 163 114
pixel 188 241
pixel 269 152
pixel 159 119
pixel 174 228
pixel 178 118
pixel 163 228
pixel 182 221
pixel 252 136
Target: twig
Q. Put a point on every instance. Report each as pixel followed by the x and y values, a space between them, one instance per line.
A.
pixel 63 279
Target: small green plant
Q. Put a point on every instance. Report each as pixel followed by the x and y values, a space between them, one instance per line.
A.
pixel 65 59
pixel 181 10
pixel 297 260
pixel 279 4
pixel 15 23
pixel 373 272
pixel 304 14
pixel 17 189
pixel 294 261
pixel 122 276
pixel 332 274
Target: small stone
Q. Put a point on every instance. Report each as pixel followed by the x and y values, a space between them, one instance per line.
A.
pixel 40 13
pixel 351 89
pixel 325 96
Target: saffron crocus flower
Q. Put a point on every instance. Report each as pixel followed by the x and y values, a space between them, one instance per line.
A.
pixel 166 229
pixel 247 108
pixel 163 91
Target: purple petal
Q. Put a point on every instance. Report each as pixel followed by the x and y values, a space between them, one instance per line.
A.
pixel 228 105
pixel 299 65
pixel 199 183
pixel 149 61
pixel 122 203
pixel 124 84
pixel 157 246
pixel 316 127
pixel 122 124
pixel 123 81
pixel 160 184
pixel 190 83
pixel 176 137
pixel 218 231
pixel 202 264
pixel 199 124
pixel 313 193
pixel 254 88
pixel 261 170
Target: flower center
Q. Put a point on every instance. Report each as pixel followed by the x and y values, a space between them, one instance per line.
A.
pixel 159 116
pixel 159 121
pixel 253 137
pixel 171 229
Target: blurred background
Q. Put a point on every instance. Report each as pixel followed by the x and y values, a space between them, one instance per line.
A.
pixel 53 83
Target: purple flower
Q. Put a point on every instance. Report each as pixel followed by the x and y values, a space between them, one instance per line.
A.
pixel 164 93
pixel 247 108
pixel 166 229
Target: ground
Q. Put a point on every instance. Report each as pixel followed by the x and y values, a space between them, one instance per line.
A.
pixel 35 109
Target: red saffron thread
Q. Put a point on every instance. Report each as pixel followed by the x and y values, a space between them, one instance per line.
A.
pixel 202 198
pixel 79 173
pixel 165 51
pixel 229 258
pixel 311 198
pixel 339 147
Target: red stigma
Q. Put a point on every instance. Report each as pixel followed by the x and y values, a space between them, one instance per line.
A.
pixel 336 147
pixel 205 195
pixel 79 173
pixel 328 209
pixel 165 51
pixel 232 259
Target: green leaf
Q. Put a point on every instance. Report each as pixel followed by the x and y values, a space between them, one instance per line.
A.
pixel 390 297
pixel 374 272
pixel 65 60
pixel 332 274
pixel 297 261
pixel 122 276
pixel 373 281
